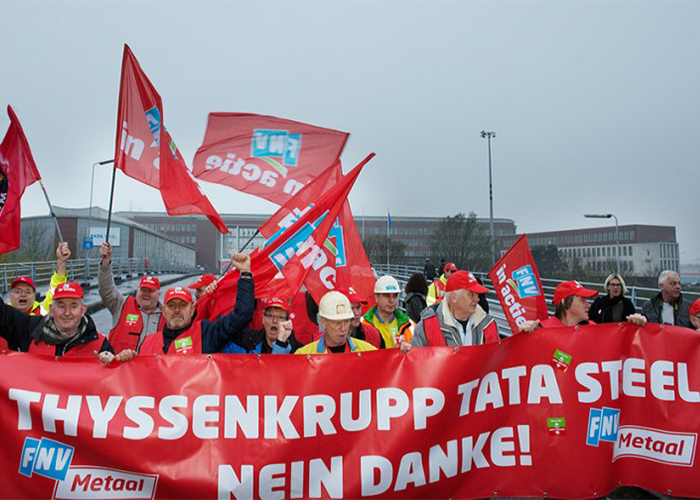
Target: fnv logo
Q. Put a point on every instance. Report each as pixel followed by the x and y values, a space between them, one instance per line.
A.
pixel 524 282
pixel 45 457
pixel 603 425
pixel 673 448
pixel 279 148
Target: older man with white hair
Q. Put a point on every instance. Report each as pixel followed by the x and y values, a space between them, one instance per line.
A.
pixel 668 306
pixel 458 320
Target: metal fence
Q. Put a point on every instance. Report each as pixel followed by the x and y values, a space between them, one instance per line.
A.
pixel 638 295
pixel 84 269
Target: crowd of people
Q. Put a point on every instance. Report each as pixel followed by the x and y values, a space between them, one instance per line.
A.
pixel 451 310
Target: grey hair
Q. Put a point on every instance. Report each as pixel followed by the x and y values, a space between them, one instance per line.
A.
pixel 616 277
pixel 664 275
pixel 456 293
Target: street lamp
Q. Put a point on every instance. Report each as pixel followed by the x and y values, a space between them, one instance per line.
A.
pixel 617 233
pixel 92 184
pixel 489 136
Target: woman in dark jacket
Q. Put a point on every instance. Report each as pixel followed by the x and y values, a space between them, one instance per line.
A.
pixel 416 292
pixel 613 307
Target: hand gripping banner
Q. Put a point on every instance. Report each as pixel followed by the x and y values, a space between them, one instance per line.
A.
pixel 561 413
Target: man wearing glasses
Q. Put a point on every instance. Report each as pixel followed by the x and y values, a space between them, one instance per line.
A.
pixel 23 291
pixel 276 336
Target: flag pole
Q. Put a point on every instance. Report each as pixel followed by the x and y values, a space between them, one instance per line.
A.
pixel 55 219
pixel 257 231
pixel 388 238
pixel 111 199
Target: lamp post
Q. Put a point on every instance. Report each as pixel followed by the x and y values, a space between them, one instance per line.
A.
pixel 489 136
pixel 617 233
pixel 92 185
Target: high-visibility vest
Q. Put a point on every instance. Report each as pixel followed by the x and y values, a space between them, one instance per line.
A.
pixel 128 330
pixel 188 342
pixel 83 350
pixel 435 338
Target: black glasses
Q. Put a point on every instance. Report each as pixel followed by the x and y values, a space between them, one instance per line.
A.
pixel 275 317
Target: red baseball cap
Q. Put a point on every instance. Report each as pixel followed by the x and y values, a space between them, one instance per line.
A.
pixel 464 280
pixel 69 290
pixel 695 308
pixel 569 288
pixel 204 280
pixel 23 279
pixel 150 282
pixel 450 267
pixel 178 293
pixel 275 302
pixel 352 295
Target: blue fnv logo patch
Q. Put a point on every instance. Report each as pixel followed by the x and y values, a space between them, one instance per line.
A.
pixel 276 144
pixel 45 457
pixel 602 425
pixel 524 282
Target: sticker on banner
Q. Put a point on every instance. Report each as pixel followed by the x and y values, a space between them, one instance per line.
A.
pixel 45 457
pixel 603 425
pixel 101 482
pixel 673 448
pixel 556 426
pixel 561 360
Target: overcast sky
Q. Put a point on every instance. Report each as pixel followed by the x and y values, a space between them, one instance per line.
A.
pixel 595 105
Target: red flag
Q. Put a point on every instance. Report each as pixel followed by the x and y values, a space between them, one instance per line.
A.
pixel 517 284
pixel 146 152
pixel 265 156
pixel 282 264
pixel 17 171
pixel 343 262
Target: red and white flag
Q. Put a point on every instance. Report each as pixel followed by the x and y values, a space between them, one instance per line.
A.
pixel 17 172
pixel 342 262
pixel 517 284
pixel 282 264
pixel 265 156
pixel 146 152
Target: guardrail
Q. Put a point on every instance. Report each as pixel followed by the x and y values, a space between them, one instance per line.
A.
pixel 84 269
pixel 637 294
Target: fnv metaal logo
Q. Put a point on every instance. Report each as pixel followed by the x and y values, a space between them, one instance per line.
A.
pixel 279 148
pixel 603 425
pixel 45 457
pixel 524 281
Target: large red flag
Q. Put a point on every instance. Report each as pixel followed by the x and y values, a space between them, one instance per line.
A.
pixel 263 155
pixel 17 171
pixel 343 262
pixel 282 264
pixel 146 152
pixel 517 284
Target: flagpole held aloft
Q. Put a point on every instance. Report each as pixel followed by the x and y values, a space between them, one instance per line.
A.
pixel 257 232
pixel 111 199
pixel 55 219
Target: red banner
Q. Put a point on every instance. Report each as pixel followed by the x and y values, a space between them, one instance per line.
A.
pixel 343 262
pixel 265 156
pixel 562 413
pixel 17 172
pixel 517 284
pixel 146 152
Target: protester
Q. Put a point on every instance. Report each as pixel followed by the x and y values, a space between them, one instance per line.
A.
pixel 201 284
pixel 613 307
pixel 668 306
pixel 415 299
pixel 23 291
pixel 393 324
pixel 571 309
pixel 695 315
pixel 359 329
pixel 336 314
pixel 458 320
pixel 429 270
pixel 66 331
pixel 436 291
pixel 275 337
pixel 441 267
pixel 186 336
pixel 134 318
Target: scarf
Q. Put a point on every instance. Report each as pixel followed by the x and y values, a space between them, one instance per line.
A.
pixel 50 334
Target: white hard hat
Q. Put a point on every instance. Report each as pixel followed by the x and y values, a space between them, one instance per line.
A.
pixel 386 284
pixel 335 305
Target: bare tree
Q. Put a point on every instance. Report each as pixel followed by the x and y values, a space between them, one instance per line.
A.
pixel 376 249
pixel 460 240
